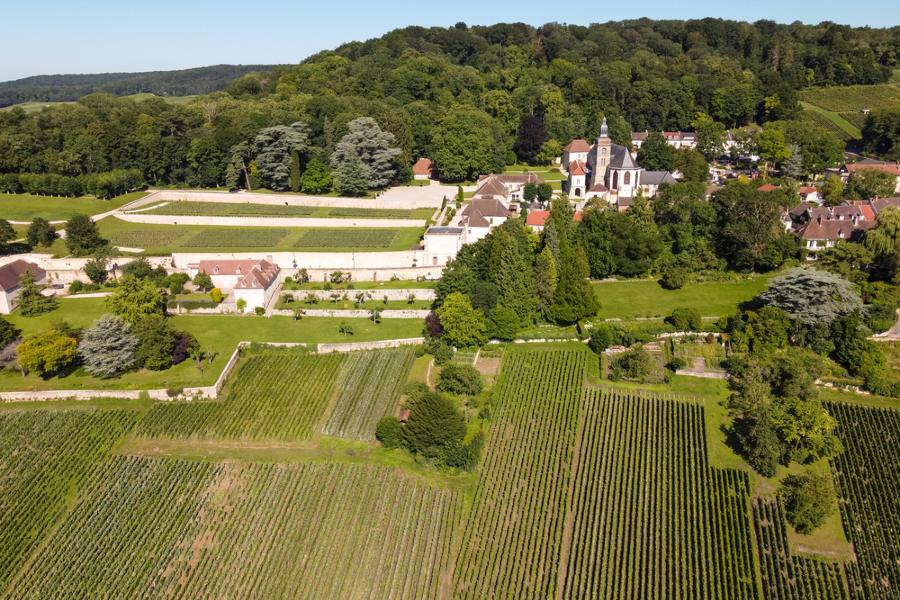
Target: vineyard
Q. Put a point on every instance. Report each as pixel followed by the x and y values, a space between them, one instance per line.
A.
pixel 44 457
pixel 867 475
pixel 347 238
pixel 368 389
pixel 150 528
pixel 786 577
pixel 651 519
pixel 237 237
pixel 273 395
pixel 514 534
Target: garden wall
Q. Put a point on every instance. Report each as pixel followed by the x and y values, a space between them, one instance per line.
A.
pixel 407 198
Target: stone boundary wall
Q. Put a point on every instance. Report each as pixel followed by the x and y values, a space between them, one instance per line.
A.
pixel 355 314
pixel 354 346
pixel 392 295
pixel 273 221
pixel 406 198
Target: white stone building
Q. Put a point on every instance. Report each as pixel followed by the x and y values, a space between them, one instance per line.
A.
pixel 254 281
pixel 10 279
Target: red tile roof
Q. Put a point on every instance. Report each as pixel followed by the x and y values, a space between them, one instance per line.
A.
pixel 892 168
pixel 767 187
pixel 11 274
pixel 809 189
pixel 867 211
pixel 260 276
pixel 538 218
pixel 423 166
pixel 578 145
pixel 577 168
pixel 228 267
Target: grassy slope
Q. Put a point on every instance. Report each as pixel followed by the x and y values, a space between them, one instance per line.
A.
pixel 849 130
pixel 217 332
pixel 25 207
pixel 631 299
pixel 175 237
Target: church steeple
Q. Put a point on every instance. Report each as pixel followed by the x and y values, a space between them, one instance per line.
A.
pixel 604 130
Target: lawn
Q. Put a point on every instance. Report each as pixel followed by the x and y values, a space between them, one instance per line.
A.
pixel 227 209
pixel 634 299
pixel 157 240
pixel 219 333
pixel 25 207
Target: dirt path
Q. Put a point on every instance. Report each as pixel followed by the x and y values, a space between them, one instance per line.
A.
pixel 566 547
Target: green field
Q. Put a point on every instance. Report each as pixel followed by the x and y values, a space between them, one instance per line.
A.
pixel 225 209
pixel 31 107
pixel 159 240
pixel 219 333
pixel 635 299
pixel 25 207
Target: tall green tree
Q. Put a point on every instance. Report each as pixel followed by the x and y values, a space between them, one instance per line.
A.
pixel 366 143
pixel 107 347
pixel 655 154
pixel 82 236
pixel 31 301
pixel 40 232
pixel 274 150
pixel 463 325
pixel 463 145
pixel 136 298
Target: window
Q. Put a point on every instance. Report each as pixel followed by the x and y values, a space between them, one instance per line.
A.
pixel 627 178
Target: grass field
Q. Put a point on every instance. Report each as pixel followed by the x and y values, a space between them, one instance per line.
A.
pixel 158 240
pixel 220 333
pixel 25 207
pixel 226 209
pixel 31 107
pixel 632 299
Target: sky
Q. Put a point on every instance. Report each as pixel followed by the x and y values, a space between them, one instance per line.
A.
pixel 100 36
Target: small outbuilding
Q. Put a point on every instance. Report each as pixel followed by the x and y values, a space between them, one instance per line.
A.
pixel 10 282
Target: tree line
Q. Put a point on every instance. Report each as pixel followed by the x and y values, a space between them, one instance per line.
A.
pixel 472 98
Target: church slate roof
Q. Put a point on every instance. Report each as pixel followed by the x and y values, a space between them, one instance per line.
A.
pixel 656 178
pixel 621 158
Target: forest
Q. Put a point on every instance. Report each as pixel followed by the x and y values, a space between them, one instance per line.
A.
pixel 439 89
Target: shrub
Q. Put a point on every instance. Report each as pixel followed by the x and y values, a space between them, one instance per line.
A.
pixel 185 345
pixel 175 282
pixel 241 304
pixel 389 432
pixel 685 319
pixel 216 295
pixel 677 362
pixel 808 500
pixel 259 310
pixel 460 379
pixel 156 342
pixel 75 286
pixel 8 333
pixel 635 364
pixel 47 352
pixel 674 279
pixel 442 352
pixel 434 421
pixel 203 281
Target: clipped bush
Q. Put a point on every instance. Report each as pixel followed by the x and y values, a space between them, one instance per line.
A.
pixel 685 319
pixel 460 379
pixel 674 279
pixel 216 295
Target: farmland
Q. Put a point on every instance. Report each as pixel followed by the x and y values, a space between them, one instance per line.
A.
pixel 155 240
pixel 585 490
pixel 368 389
pixel 870 508
pixel 275 395
pixel 839 108
pixel 247 530
pixel 46 455
pixel 786 577
pixel 228 209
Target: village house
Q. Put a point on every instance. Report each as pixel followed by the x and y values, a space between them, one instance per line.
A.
pixel 10 280
pixel 423 170
pixel 508 188
pixel 675 139
pixel 254 281
pixel 480 217
pixel 821 233
pixel 537 219
pixel 810 193
pixel 820 227
pixel 869 164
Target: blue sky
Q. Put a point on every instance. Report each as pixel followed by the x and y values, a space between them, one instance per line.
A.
pixel 92 36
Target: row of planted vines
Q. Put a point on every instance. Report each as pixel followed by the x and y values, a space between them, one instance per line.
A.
pixel 514 533
pixel 867 474
pixel 650 518
pixel 786 577
pixel 44 457
pixel 273 395
pixel 368 389
pixel 151 528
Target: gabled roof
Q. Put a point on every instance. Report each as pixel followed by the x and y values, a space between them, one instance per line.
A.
pixel 538 218
pixel 261 276
pixel 621 158
pixel 519 178
pixel 657 178
pixel 577 168
pixel 639 136
pixel 475 219
pixel 767 187
pixel 808 189
pixel 11 274
pixel 491 187
pixel 801 209
pixel 880 204
pixel 487 207
pixel 578 145
pixel 867 165
pixel 423 166
pixel 598 187
pixel 818 229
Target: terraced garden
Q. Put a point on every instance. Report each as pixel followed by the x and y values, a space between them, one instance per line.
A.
pixel 228 209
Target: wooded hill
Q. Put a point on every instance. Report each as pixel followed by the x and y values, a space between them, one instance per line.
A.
pixel 64 88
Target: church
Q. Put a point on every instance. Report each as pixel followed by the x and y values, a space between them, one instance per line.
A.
pixel 607 170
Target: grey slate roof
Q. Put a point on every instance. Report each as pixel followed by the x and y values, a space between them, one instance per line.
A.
pixel 657 178
pixel 621 158
pixel 444 230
